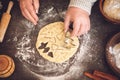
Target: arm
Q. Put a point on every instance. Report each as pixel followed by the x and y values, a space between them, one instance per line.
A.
pixel 83 4
pixel 78 12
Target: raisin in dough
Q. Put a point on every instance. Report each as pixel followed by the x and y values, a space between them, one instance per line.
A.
pixel 51 46
pixel 112 8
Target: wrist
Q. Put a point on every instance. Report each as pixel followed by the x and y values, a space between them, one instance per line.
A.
pixel 77 9
pixel 85 5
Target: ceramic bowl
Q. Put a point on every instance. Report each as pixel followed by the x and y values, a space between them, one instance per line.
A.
pixel 109 54
pixel 101 2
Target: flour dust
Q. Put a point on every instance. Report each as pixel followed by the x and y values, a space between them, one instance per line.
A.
pixel 43 69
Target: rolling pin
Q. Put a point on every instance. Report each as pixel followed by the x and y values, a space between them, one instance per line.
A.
pixel 5 21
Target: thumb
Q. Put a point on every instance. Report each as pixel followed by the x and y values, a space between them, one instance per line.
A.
pixel 36 5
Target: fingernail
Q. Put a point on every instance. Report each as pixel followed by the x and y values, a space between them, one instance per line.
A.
pixel 35 23
pixel 36 11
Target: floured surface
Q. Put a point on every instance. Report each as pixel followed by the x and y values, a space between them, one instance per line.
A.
pixel 29 56
pixel 21 37
pixel 51 43
pixel 72 69
pixel 46 70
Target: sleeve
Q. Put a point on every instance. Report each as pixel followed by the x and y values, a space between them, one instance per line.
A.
pixel 83 4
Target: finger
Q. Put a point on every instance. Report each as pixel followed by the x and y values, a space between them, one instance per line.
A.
pixel 25 16
pixel 36 5
pixel 83 28
pixel 86 31
pixel 87 27
pixel 33 13
pixel 23 13
pixel 66 23
pixel 76 26
pixel 25 10
pixel 29 17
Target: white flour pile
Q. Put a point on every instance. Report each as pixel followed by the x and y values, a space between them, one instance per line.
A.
pixel 116 52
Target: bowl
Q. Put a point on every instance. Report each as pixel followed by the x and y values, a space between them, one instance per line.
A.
pixel 110 57
pixel 112 20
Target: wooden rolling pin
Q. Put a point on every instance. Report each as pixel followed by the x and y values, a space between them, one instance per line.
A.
pixel 5 21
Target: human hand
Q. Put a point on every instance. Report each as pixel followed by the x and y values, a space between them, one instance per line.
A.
pixel 80 19
pixel 29 8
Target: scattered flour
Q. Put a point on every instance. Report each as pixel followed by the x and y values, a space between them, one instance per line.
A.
pixel 115 50
pixel 27 54
pixel 49 10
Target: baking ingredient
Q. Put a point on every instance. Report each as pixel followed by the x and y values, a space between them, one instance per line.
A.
pixel 112 9
pixel 50 43
pixel 115 51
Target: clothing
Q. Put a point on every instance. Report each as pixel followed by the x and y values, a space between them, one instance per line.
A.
pixel 83 4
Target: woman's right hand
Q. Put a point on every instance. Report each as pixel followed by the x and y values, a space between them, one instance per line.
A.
pixel 29 8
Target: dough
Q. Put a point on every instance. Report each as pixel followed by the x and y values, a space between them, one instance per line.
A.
pixel 112 9
pixel 51 43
